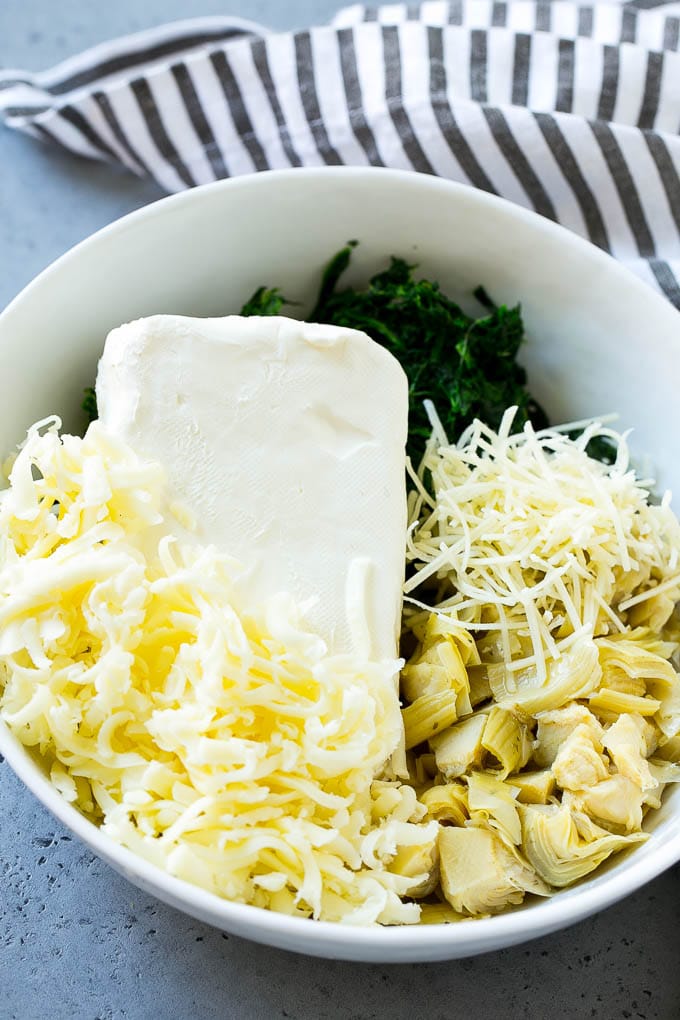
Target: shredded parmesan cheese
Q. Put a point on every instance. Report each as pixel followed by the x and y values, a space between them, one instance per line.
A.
pixel 219 741
pixel 529 541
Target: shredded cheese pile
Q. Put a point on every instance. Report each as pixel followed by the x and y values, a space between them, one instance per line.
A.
pixel 224 745
pixel 535 546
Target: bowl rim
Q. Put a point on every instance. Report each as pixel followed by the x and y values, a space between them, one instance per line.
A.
pixel 408 178
pixel 332 939
pixel 326 938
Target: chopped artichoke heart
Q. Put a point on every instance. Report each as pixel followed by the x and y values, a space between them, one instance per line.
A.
pixel 507 739
pixel 614 801
pixel 668 716
pixel 616 701
pixel 439 913
pixel 460 748
pixel 554 728
pixel 418 862
pixel 438 664
pixel 428 626
pixel 480 688
pixel 480 874
pixel 421 770
pixel 534 787
pixel 668 749
pixel 651 799
pixel 447 803
pixel 629 741
pixel 657 641
pixel 574 675
pixel 642 665
pixel 634 660
pixel 428 715
pixel 655 611
pixel 616 679
pixel 664 771
pixel 419 679
pixel 463 703
pixel 492 800
pixel 579 763
pixel 556 849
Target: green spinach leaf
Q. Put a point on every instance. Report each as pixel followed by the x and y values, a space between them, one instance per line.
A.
pixel 465 365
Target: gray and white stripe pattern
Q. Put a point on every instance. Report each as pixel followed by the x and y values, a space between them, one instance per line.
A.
pixel 571 109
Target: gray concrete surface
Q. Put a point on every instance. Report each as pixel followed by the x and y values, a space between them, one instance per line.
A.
pixel 76 940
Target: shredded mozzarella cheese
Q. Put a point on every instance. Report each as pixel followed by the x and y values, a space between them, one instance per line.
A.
pixel 218 741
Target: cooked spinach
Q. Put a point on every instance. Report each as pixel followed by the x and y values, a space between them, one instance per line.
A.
pixel 599 447
pixel 89 404
pixel 467 366
pixel 265 301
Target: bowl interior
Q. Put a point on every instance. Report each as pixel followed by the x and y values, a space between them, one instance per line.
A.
pixel 599 341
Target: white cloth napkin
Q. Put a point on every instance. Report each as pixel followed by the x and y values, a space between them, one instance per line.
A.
pixel 570 109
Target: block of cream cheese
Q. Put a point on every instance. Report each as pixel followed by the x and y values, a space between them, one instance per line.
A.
pixel 285 440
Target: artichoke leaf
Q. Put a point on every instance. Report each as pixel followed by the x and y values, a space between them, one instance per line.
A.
pixel 460 747
pixel 534 787
pixel 664 771
pixel 661 681
pixel 507 739
pixel 493 802
pixel 611 700
pixel 557 849
pixel 668 749
pixel 632 659
pixel 574 675
pixel 439 913
pixel 663 643
pixel 439 662
pixel 480 687
pixel 428 715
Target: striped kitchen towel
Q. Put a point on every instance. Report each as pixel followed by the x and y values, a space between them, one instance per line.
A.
pixel 571 109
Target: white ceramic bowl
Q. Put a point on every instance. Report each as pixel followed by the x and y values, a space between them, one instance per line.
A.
pixel 599 340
